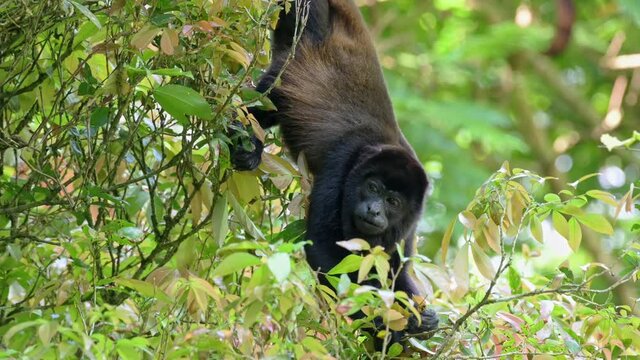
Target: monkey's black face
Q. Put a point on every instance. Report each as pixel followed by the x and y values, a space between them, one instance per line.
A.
pixel 377 207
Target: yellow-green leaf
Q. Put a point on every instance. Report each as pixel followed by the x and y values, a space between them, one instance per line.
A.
pixel 596 222
pixel 280 266
pixel 169 41
pixel 314 345
pixel 349 264
pixel 560 224
pixel 395 320
pixel 240 57
pixel 536 229
pixel 19 328
pixel 365 267
pixel 575 234
pixel 143 37
pixel 235 262
pixel 144 288
pixel 603 196
pixel 446 240
pixel 382 268
pixel 46 331
pixel 492 235
pixel 483 262
pixel 467 219
pixel 436 274
pixel 461 271
pixel 205 286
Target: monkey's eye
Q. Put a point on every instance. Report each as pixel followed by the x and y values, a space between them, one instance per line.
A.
pixel 372 187
pixel 393 201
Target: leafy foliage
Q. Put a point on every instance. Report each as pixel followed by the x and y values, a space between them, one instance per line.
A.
pixel 126 234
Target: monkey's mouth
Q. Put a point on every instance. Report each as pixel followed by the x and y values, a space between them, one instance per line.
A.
pixel 368 226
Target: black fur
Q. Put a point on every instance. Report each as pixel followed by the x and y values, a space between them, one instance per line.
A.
pixel 333 106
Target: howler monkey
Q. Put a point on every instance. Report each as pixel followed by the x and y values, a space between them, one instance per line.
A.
pixel 333 106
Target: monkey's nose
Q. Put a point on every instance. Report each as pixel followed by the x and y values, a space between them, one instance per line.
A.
pixel 373 210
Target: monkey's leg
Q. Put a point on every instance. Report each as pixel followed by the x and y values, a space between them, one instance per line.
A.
pixel 307 20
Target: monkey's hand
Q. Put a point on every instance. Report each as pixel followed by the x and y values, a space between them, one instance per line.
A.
pixel 245 157
pixel 246 148
pixel 428 324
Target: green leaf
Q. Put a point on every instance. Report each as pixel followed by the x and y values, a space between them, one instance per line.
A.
pixel 99 117
pixel 203 287
pixel 551 197
pixel 575 234
pixel 235 262
pixel 84 10
pixel 180 100
pixel 314 345
pixel 292 232
pixel 130 348
pixel 19 328
pixel 395 350
pixel 219 219
pixel 583 178
pixel 144 288
pixel 131 233
pixel 280 266
pixel 515 282
pixel 418 345
pixel 596 222
pixel 349 264
pixel 251 314
pixel 96 191
pixel 244 219
pixel 164 72
pixel 253 97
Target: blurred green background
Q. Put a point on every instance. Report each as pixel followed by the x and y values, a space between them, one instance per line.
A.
pixel 472 87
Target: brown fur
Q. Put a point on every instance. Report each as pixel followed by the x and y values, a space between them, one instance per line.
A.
pixel 319 76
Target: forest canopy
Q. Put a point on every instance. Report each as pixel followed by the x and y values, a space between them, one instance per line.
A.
pixel 125 232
